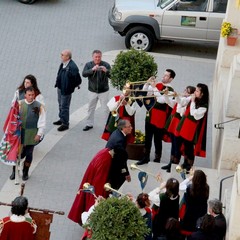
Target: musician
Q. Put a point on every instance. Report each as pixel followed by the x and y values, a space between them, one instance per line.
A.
pixel 120 108
pixel 108 165
pixel 178 109
pixel 157 115
pixel 193 126
pixel 19 225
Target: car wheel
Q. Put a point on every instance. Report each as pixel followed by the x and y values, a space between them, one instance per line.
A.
pixel 27 1
pixel 139 38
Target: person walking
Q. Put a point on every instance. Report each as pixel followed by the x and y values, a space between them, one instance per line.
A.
pixel 68 78
pixel 33 117
pixel 97 72
pixel 157 115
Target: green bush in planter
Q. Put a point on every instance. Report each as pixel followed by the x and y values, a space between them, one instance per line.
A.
pixel 117 219
pixel 132 65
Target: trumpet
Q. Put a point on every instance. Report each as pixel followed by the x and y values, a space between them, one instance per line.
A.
pixel 179 169
pixel 107 187
pixel 133 166
pixel 87 187
pixel 128 83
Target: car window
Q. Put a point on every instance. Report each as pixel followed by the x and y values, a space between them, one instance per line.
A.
pixel 191 5
pixel 220 6
pixel 163 3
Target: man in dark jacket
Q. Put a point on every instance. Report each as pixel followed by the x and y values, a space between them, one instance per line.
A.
pixel 68 78
pixel 97 72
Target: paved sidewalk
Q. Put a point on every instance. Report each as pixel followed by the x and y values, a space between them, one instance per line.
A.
pixel 61 159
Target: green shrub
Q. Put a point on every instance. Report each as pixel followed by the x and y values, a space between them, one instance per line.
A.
pixel 132 65
pixel 117 219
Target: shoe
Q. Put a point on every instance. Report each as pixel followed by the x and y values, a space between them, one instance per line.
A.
pixel 157 160
pixel 166 166
pixel 143 161
pixel 57 122
pixel 63 128
pixel 87 128
pixel 12 177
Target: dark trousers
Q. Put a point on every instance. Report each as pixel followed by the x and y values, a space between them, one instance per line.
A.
pixel 151 131
pixel 27 153
pixel 176 148
pixel 189 151
pixel 64 106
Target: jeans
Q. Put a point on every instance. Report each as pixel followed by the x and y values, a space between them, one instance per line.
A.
pixel 64 106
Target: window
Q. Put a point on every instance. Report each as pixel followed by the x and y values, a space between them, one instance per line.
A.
pixel 191 5
pixel 220 6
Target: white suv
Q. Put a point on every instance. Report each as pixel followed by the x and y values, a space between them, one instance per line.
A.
pixel 144 21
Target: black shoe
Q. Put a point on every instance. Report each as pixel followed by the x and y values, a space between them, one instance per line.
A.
pixel 57 122
pixel 25 177
pixel 166 167
pixel 12 177
pixel 143 162
pixel 157 160
pixel 87 128
pixel 63 128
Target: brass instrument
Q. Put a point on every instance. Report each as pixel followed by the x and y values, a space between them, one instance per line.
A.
pixel 179 169
pixel 133 166
pixel 107 187
pixel 88 187
pixel 128 83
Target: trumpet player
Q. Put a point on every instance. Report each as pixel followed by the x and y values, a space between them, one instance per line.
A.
pixel 156 117
pixel 120 108
pixel 178 105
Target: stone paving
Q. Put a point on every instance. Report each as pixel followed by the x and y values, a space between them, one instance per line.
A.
pixel 32 37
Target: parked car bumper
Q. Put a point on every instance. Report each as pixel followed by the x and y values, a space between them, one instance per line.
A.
pixel 118 26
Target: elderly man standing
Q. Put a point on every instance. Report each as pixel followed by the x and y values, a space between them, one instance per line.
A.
pixel 97 72
pixel 68 78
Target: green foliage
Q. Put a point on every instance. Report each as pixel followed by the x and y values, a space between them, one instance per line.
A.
pixel 115 219
pixel 132 65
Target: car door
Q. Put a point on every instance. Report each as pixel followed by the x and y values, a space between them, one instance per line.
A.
pixel 217 14
pixel 186 19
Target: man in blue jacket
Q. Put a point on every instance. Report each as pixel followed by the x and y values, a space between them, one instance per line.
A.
pixel 68 78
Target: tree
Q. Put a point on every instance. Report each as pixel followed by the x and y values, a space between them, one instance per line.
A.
pixel 132 65
pixel 114 219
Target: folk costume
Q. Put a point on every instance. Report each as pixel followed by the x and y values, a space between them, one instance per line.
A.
pixel 117 112
pixel 169 207
pixel 104 167
pixel 157 114
pixel 193 129
pixel 33 117
pixel 97 174
pixel 178 109
pixel 147 215
pixel 191 208
pixel 17 228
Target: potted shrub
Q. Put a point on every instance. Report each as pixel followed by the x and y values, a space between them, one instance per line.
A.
pixel 114 219
pixel 133 66
pixel 136 150
pixel 230 33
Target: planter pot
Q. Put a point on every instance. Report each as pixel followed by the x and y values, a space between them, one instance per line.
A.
pixel 231 40
pixel 135 151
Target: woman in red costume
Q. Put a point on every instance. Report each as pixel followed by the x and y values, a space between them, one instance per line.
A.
pixel 193 126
